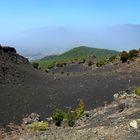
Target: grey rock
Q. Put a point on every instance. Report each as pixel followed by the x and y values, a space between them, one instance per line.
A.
pixel 31 118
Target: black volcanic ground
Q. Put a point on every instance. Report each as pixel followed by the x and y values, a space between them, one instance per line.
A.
pixel 35 91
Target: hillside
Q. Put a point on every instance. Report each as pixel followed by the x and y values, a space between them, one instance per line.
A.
pixel 24 90
pixel 77 54
pixel 110 122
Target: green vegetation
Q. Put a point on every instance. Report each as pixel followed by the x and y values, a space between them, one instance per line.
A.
pixel 35 65
pixel 75 55
pixel 133 53
pixel 137 91
pixel 100 63
pixel 124 56
pixel 50 65
pixel 80 109
pixel 38 126
pixel 58 117
pixel 112 58
pixel 70 116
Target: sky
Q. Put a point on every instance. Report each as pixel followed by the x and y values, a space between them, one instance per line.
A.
pixel 23 22
pixel 20 15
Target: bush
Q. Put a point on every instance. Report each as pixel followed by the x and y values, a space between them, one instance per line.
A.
pixel 133 53
pixel 51 65
pixel 35 65
pixel 101 63
pixel 61 64
pixel 81 61
pixel 89 63
pixel 137 91
pixel 80 109
pixel 124 56
pixel 38 126
pixel 70 118
pixel 58 117
pixel 84 60
pixel 112 58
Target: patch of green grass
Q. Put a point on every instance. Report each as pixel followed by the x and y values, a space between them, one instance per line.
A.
pixel 137 91
pixel 38 126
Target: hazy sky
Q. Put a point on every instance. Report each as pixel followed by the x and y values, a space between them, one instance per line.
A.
pixel 20 15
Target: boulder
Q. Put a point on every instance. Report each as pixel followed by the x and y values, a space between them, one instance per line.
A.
pixel 33 117
pixel 134 124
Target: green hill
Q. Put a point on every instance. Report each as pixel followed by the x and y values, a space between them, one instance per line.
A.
pixel 76 54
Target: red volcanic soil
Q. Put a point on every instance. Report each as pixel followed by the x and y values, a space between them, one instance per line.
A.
pixel 29 90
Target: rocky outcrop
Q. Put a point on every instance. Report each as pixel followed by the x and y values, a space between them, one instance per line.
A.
pixel 90 60
pixel 9 60
pixel 9 54
pixel 33 117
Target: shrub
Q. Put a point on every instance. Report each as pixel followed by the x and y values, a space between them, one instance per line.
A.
pixel 38 126
pixel 124 56
pixel 101 63
pixel 133 53
pixel 51 65
pixel 61 64
pixel 112 58
pixel 70 118
pixel 35 65
pixel 58 117
pixel 137 91
pixel 89 63
pixel 84 60
pixel 80 109
pixel 62 72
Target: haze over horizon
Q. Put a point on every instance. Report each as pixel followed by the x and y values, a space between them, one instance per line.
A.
pixel 55 26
